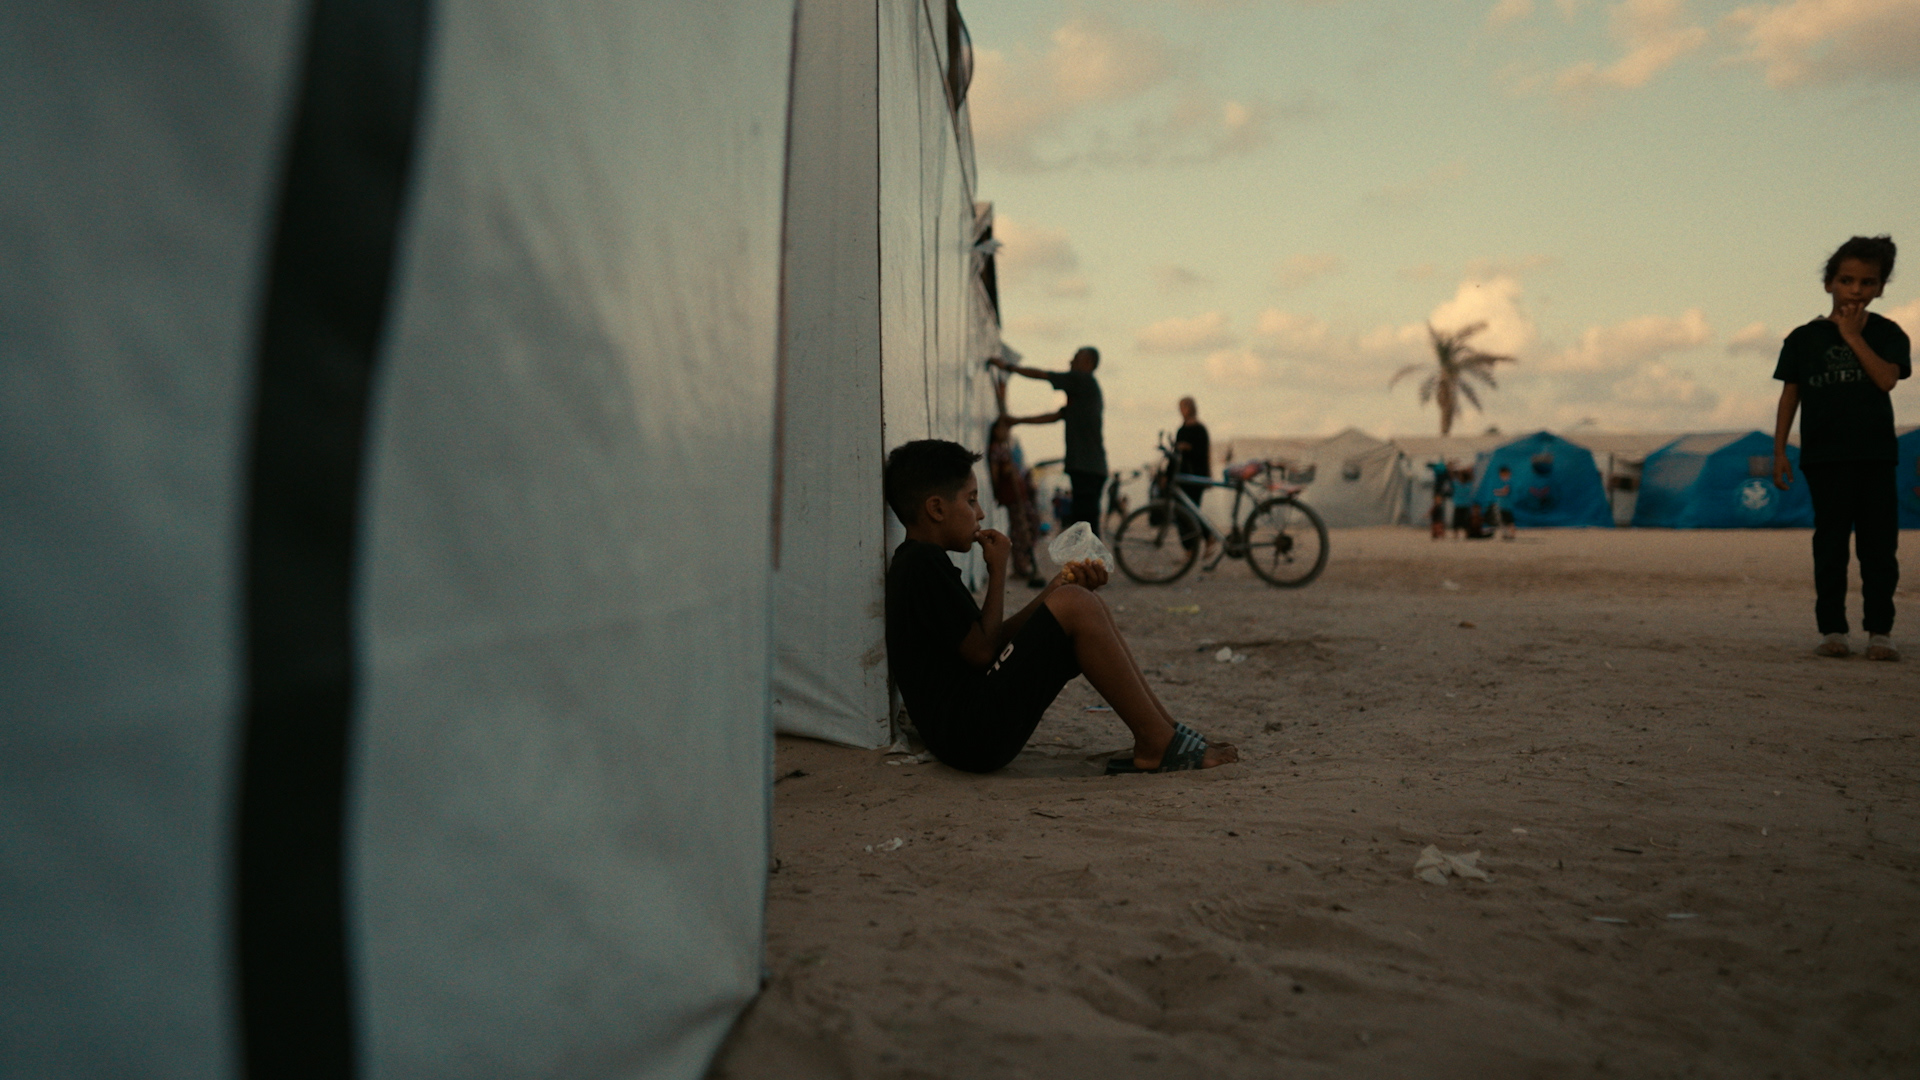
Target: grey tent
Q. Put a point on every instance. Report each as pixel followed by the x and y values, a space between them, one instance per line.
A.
pixel 1356 480
pixel 387 677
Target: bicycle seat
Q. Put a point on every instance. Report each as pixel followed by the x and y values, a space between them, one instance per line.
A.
pixel 1243 472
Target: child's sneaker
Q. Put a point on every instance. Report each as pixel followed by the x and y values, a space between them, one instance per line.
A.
pixel 1880 647
pixel 1833 645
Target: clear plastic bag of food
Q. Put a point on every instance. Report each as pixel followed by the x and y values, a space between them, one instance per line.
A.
pixel 1078 545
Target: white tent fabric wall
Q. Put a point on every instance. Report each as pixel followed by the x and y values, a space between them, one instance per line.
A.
pixel 1357 480
pixel 561 763
pixel 830 679
pixel 886 341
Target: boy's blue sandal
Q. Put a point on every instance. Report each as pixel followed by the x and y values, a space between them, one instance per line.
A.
pixel 1188 750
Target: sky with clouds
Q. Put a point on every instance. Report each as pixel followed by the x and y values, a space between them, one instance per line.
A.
pixel 1263 203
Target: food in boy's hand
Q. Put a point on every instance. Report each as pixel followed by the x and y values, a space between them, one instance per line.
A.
pixel 1074 572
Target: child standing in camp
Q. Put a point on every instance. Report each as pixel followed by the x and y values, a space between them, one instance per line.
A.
pixel 976 682
pixel 1839 371
pixel 1442 491
pixel 1500 506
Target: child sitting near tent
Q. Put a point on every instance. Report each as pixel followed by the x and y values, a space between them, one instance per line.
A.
pixel 1500 505
pixel 976 682
pixel 1841 368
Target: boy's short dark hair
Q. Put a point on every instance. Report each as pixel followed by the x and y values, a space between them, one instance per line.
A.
pixel 1091 353
pixel 1878 250
pixel 921 468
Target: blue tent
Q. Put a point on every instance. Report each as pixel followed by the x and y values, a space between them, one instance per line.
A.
pixel 1720 481
pixel 1908 478
pixel 1555 483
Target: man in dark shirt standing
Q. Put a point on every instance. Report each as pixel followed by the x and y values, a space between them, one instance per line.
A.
pixel 1086 452
pixel 1195 449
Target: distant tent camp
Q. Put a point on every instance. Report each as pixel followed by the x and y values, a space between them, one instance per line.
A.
pixel 1418 455
pixel 1907 477
pixel 1356 479
pixel 1720 481
pixel 1555 483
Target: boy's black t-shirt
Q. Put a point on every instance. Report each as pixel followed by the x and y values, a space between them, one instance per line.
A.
pixel 929 612
pixel 1843 416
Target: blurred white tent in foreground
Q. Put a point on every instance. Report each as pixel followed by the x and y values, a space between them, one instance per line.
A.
pixel 387 688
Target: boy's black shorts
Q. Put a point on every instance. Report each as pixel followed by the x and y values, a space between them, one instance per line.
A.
pixel 998 712
pixel 1500 515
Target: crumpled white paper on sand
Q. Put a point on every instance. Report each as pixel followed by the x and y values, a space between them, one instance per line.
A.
pixel 1435 865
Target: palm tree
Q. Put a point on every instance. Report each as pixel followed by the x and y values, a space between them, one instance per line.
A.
pixel 1455 361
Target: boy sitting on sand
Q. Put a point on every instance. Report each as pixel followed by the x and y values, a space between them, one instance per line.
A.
pixel 976 682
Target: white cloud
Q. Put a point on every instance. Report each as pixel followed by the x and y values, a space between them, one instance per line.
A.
pixel 1753 338
pixel 1031 250
pixel 1507 11
pixel 1037 256
pixel 1492 300
pixel 1654 33
pixel 1626 345
pixel 1179 278
pixel 1283 332
pixel 1176 335
pixel 1041 326
pixel 1302 270
pixel 1238 369
pixel 1907 315
pixel 1072 287
pixel 1830 40
pixel 1033 110
pixel 1658 385
pixel 1415 191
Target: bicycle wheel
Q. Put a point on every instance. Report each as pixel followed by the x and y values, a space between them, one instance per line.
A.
pixel 1148 545
pixel 1286 542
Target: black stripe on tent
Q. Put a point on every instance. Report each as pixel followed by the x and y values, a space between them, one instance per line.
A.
pixel 326 297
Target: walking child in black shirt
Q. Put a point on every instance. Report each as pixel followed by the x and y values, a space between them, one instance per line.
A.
pixel 1838 371
pixel 976 682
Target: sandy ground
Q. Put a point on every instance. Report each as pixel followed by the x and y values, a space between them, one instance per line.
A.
pixel 1704 841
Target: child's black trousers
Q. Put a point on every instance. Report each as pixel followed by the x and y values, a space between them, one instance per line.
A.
pixel 1857 499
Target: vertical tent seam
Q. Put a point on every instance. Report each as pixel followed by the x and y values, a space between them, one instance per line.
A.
pixel 325 304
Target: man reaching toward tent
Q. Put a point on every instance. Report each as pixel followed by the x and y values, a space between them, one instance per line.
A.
pixel 976 681
pixel 1086 450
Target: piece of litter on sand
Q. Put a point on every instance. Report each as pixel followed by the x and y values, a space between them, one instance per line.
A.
pixel 1239 656
pixel 1682 915
pixel 1099 708
pixel 1225 655
pixel 1435 866
pixel 1189 609
pixel 913 759
pixel 1519 832
pixel 1465 625
pixel 894 844
pixel 1609 920
pixel 1450 586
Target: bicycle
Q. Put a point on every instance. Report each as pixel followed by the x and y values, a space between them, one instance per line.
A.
pixel 1282 538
